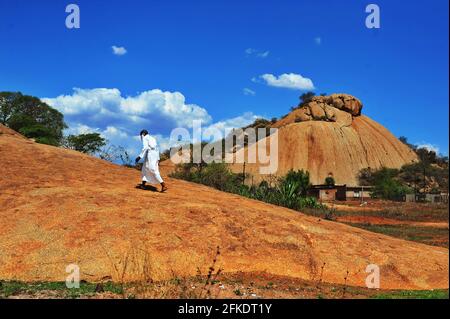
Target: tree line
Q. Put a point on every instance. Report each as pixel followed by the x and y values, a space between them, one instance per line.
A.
pixel 35 119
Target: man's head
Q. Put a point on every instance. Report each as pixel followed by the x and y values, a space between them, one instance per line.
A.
pixel 143 133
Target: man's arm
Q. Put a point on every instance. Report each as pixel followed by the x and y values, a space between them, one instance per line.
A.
pixel 145 148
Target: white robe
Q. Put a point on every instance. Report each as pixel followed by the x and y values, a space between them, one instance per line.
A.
pixel 150 156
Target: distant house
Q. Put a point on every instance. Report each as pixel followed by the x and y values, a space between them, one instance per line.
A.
pixel 427 198
pixel 328 192
pixel 339 192
pixel 356 192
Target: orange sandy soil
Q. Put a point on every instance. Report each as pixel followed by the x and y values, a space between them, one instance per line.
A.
pixel 59 207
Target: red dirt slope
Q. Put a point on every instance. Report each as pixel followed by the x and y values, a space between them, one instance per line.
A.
pixel 59 207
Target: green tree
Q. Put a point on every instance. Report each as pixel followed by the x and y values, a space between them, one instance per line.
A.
pixel 306 98
pixel 386 185
pixel 86 143
pixel 6 106
pixel 31 117
pixel 330 181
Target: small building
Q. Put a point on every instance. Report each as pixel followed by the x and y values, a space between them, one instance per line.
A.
pixel 358 192
pixel 328 192
pixel 427 198
pixel 410 198
pixel 340 192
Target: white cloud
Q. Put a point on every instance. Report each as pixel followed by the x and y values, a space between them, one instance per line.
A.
pixel 114 132
pixel 120 118
pixel 263 55
pixel 119 50
pixel 236 122
pixel 289 81
pixel 257 53
pixel 429 147
pixel 81 129
pixel 248 91
pixel 318 40
pixel 250 51
pixel 101 104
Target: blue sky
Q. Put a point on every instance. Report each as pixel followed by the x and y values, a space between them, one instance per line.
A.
pixel 197 59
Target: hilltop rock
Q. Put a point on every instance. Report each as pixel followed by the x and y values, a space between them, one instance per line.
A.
pixel 344 102
pixel 340 108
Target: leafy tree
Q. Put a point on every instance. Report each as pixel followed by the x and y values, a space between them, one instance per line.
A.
pixel 386 185
pixel 6 106
pixel 86 143
pixel 40 133
pixel 330 181
pixel 31 117
pixel 404 140
pixel 306 98
pixel 19 120
pixel 426 156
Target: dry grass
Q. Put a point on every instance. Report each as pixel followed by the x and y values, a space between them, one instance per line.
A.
pixel 135 272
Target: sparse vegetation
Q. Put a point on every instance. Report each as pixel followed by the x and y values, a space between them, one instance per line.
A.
pixel 430 174
pixel 57 289
pixel 414 294
pixel 385 183
pixel 289 191
pixel 306 98
pixel 113 153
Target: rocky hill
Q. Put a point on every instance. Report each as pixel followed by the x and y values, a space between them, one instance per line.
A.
pixel 60 207
pixel 329 136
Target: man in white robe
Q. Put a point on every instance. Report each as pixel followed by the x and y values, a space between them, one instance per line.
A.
pixel 150 166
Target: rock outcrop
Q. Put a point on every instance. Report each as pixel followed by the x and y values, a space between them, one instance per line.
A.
pixel 328 135
pixel 340 108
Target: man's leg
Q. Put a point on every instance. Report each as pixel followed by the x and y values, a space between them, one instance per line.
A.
pixel 142 186
pixel 163 187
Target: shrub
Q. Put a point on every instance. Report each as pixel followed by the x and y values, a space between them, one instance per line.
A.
pixel 289 192
pixel 300 176
pixel 219 176
pixel 330 181
pixel 386 186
